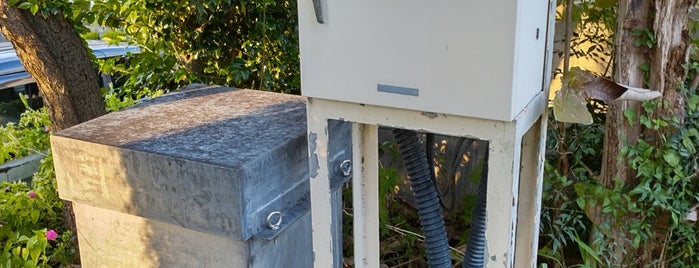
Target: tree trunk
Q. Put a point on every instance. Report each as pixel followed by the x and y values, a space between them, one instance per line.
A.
pixel 57 58
pixel 668 21
pixel 671 52
pixel 671 29
pixel 55 55
pixel 631 15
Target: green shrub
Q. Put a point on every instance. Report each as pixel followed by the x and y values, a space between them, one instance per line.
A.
pixel 245 44
pixel 91 36
pixel 112 36
pixel 29 136
pixel 31 223
pixel 32 233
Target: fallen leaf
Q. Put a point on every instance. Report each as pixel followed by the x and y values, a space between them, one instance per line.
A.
pixel 570 103
pixel 571 108
pixel 600 88
pixel 591 86
pixel 639 94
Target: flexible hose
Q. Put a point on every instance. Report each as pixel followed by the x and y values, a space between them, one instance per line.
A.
pixel 427 199
pixel 475 246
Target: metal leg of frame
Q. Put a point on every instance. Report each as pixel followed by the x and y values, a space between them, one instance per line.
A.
pixel 501 208
pixel 321 196
pixel 365 195
pixel 531 184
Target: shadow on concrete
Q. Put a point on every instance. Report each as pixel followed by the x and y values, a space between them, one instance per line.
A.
pixel 188 179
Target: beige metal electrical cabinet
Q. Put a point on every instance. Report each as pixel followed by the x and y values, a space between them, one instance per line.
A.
pixel 463 68
pixel 482 59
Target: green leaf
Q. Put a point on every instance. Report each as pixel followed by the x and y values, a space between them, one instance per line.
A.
pixel 693 132
pixel 25 254
pixel 16 251
pixel 24 5
pixel 647 152
pixel 636 241
pixel 646 122
pixel 584 248
pixel 630 115
pixel 672 158
pixel 34 9
pixel 36 251
pixel 34 216
pixel 687 142
pixel 180 75
pixel 693 102
pixel 23 239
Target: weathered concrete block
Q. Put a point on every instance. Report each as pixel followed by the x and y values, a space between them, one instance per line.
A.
pixel 113 239
pixel 212 161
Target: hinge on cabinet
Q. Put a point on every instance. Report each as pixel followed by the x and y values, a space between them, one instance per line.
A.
pixel 319 10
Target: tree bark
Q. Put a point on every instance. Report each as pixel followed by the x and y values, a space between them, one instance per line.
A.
pixel 668 21
pixel 631 15
pixel 56 57
pixel 671 29
pixel 667 74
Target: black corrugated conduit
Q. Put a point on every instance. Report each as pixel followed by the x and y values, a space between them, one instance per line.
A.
pixel 427 199
pixel 475 245
pixel 428 204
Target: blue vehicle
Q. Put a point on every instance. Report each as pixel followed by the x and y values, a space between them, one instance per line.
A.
pixel 14 79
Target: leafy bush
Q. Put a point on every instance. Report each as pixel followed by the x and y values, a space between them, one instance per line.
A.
pixel 115 37
pixel 572 159
pixel 657 206
pixel 31 223
pixel 648 214
pixel 91 36
pixel 29 136
pixel 246 44
pixel 31 216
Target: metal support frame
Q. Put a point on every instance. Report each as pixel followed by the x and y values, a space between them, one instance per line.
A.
pixel 515 174
pixel 514 177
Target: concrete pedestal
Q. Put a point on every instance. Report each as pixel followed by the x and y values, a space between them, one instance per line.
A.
pixel 189 180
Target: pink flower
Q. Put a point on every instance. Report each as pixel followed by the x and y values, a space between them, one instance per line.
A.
pixel 51 235
pixel 31 195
